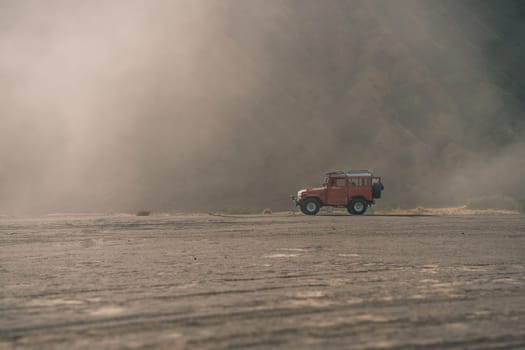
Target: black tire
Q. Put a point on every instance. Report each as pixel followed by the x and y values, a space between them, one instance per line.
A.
pixel 310 206
pixel 357 206
pixel 376 190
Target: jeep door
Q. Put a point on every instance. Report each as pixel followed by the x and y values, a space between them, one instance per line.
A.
pixel 336 191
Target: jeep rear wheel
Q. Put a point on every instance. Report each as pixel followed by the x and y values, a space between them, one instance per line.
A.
pixel 357 206
pixel 310 206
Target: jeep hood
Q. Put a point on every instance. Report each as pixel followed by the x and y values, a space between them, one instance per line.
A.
pixel 312 190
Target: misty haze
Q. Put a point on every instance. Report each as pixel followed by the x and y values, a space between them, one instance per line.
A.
pixel 149 151
pixel 205 105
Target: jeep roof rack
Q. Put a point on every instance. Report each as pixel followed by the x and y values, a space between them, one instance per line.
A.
pixel 351 173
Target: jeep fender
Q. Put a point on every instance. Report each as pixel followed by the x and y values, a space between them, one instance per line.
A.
pixel 314 197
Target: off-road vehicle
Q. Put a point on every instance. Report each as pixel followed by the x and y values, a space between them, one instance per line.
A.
pixel 354 190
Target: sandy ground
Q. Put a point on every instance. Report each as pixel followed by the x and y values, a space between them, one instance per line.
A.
pixel 210 282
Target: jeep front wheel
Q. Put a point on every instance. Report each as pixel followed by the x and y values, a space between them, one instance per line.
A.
pixel 310 206
pixel 357 206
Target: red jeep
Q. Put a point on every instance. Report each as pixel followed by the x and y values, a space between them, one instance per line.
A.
pixel 354 190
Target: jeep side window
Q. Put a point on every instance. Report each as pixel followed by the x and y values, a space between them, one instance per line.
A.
pixel 359 181
pixel 340 182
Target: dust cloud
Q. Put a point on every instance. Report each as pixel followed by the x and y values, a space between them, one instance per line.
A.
pixel 200 105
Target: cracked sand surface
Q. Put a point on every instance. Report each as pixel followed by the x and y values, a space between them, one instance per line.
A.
pixel 200 281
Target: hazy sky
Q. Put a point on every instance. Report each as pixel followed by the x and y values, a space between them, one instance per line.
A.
pixel 124 105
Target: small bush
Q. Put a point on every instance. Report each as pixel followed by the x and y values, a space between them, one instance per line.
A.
pixel 143 213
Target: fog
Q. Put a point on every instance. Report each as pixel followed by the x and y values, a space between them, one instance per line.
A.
pixel 206 105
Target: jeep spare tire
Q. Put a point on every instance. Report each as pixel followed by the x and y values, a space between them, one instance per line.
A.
pixel 357 206
pixel 376 190
pixel 310 206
